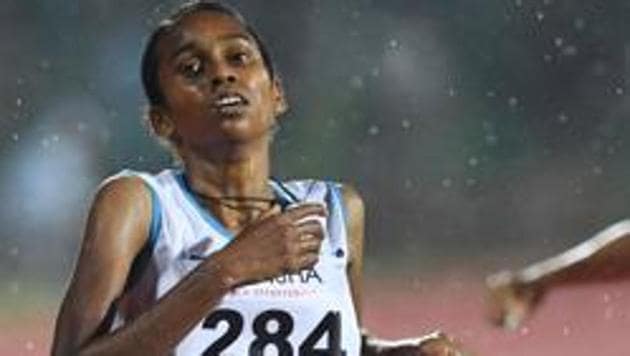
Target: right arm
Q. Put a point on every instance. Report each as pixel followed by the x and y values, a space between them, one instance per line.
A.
pixel 604 257
pixel 116 231
pixel 432 344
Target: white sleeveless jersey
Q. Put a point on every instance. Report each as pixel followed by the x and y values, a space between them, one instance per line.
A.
pixel 310 313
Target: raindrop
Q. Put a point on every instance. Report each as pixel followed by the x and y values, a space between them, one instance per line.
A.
pixel 524 331
pixel 513 101
pixel 570 50
pixel 598 171
pixel 619 91
pixel 491 94
pixel 452 92
pixel 563 118
pixel 55 138
pixel 579 24
pixel 376 72
pixel 473 162
pixel 547 57
pixel 566 330
pixel 14 251
pixel 518 3
pixel 374 130
pixel 471 182
pixel 355 15
pixel 540 16
pixel 158 10
pixel 45 142
pixel 491 140
pixel 19 102
pixel 44 64
pixel 15 136
pixel 30 346
pixel 558 41
pixel 81 126
pixel 547 2
pixel 609 312
pixel 356 82
pixel 393 44
pixel 406 124
pixel 447 183
pixel 606 298
pixel 19 81
pixel 408 183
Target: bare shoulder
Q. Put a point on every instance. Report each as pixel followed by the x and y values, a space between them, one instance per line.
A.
pixel 125 190
pixel 120 216
pixel 353 202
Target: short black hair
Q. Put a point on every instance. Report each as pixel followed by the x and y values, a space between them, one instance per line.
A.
pixel 150 61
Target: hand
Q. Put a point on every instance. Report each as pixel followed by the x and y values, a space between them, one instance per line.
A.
pixel 435 344
pixel 441 345
pixel 511 301
pixel 276 244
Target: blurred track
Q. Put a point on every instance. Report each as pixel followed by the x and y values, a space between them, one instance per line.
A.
pixel 585 321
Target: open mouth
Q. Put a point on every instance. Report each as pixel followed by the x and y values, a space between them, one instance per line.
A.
pixel 230 104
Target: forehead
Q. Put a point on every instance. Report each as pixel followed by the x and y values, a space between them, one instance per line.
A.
pixel 203 28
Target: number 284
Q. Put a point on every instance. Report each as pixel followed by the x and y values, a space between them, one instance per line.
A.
pixel 330 325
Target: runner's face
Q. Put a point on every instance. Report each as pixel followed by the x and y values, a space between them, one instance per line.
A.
pixel 215 83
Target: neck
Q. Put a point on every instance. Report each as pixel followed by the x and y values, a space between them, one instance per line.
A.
pixel 238 170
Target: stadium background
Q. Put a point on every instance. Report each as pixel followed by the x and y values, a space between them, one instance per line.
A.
pixel 482 135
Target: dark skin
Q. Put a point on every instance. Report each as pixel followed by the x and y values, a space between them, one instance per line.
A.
pixel 514 295
pixel 225 152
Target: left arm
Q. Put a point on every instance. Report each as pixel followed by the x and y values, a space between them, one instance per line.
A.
pixel 434 344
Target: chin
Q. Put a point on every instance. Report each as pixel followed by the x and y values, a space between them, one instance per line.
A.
pixel 243 132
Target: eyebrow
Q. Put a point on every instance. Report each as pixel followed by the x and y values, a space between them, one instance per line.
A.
pixel 186 47
pixel 189 45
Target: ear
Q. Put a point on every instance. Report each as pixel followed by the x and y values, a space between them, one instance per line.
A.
pixel 280 101
pixel 161 123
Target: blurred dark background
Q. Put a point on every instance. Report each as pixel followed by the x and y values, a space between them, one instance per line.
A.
pixel 482 134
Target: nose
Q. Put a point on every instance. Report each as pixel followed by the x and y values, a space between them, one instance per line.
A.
pixel 219 80
pixel 222 75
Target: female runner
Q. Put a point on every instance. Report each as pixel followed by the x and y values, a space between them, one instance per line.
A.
pixel 216 258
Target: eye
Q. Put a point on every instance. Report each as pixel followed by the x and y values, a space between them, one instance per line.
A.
pixel 239 57
pixel 192 68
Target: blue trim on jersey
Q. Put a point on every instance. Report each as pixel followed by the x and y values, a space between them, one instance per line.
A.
pixel 337 199
pixel 156 217
pixel 180 177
